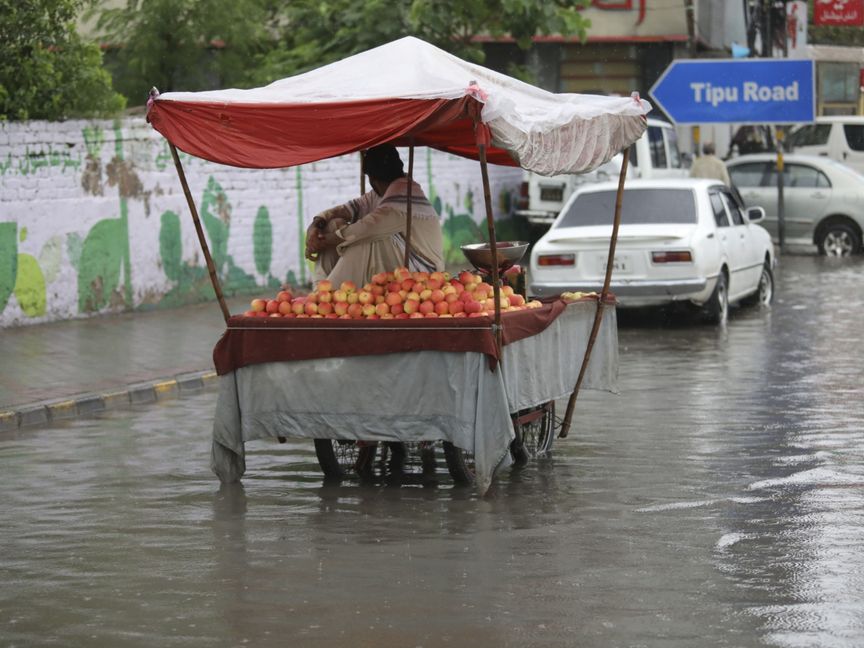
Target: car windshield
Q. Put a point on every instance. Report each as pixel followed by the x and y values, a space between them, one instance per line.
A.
pixel 638 207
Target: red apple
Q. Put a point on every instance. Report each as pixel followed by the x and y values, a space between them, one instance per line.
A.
pixel 380 278
pixel 340 296
pixel 365 297
pixel 325 308
pixel 426 307
pixel 340 308
pixel 456 307
pixel 284 307
pixel 272 306
pixel 466 278
pixel 382 308
pixel 325 297
pixel 397 309
pixel 411 306
pixel 298 306
pixel 258 305
pixel 249 313
pixel 393 298
pixel 283 295
pixel 442 308
pixel 437 296
pixel 355 310
pixel 348 286
pixel 325 285
pixel 368 309
pixel 310 308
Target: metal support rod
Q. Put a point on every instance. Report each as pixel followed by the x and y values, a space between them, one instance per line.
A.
pixel 493 245
pixel 362 175
pixel 408 216
pixel 601 302
pixel 211 267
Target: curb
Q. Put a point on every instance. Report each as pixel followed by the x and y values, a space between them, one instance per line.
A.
pixel 87 404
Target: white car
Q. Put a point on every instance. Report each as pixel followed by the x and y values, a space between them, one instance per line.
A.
pixel 680 240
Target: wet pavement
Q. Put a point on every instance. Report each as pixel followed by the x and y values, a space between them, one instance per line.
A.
pixel 716 501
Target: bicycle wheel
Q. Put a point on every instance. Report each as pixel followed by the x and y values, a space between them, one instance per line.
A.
pixel 339 458
pixel 460 464
pixel 535 431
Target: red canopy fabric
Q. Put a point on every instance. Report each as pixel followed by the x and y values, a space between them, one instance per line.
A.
pixel 282 135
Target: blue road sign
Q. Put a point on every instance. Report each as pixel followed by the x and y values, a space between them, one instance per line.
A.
pixel 739 91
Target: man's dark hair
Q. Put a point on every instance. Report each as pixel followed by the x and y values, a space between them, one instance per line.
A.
pixel 708 149
pixel 383 163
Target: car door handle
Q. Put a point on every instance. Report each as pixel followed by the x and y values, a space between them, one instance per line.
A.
pixel 818 194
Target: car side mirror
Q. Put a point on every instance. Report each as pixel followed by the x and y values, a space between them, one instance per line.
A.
pixel 756 214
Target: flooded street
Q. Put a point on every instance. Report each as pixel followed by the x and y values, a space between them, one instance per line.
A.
pixel 718 500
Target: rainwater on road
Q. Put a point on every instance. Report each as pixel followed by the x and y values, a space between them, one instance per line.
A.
pixel 718 500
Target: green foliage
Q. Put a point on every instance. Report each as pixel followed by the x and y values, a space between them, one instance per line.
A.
pixel 183 44
pixel 315 32
pixel 46 70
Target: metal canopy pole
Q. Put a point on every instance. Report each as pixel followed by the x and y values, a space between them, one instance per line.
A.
pixel 601 302
pixel 408 217
pixel 493 245
pixel 211 267
pixel 362 175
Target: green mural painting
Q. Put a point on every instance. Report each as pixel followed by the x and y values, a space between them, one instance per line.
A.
pixel 29 282
pixel 8 261
pixel 101 255
pixel 462 227
pixel 192 281
pixel 262 241
pixel 20 274
pixel 100 265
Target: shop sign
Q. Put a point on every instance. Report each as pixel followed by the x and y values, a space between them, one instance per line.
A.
pixel 839 13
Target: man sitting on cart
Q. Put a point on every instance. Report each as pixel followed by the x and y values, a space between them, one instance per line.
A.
pixel 366 235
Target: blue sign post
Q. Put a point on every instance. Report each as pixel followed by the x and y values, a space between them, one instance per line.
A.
pixel 737 91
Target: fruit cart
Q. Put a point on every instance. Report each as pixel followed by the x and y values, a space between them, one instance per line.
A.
pixel 485 385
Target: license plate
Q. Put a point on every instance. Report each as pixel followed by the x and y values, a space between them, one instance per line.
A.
pixel 552 194
pixel 619 264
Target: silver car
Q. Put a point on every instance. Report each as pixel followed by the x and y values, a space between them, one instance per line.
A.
pixel 823 199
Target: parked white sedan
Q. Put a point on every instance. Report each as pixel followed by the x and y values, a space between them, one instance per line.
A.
pixel 680 240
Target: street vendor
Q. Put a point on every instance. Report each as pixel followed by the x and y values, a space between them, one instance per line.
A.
pixel 366 235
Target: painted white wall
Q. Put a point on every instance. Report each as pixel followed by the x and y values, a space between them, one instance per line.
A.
pixel 59 179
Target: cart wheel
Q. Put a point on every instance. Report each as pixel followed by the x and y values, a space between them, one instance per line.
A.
pixel 412 462
pixel 460 464
pixel 339 458
pixel 536 430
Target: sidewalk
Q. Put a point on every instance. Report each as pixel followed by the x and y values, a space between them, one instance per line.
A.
pixel 77 367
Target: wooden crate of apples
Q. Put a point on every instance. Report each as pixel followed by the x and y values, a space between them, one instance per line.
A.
pixel 400 294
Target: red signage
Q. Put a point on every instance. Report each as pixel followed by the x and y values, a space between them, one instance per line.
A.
pixel 841 13
pixel 624 5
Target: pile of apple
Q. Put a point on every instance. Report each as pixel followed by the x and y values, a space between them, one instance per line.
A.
pixel 400 294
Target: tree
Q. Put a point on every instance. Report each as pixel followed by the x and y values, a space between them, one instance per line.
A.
pixel 46 70
pixel 315 32
pixel 183 44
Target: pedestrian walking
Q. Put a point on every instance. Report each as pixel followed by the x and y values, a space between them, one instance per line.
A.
pixel 708 165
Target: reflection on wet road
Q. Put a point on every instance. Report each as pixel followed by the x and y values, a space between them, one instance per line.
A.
pixel 716 501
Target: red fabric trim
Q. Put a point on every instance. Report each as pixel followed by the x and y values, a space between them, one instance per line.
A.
pixel 254 340
pixel 264 136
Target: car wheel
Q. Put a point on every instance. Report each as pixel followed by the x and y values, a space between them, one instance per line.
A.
pixel 838 239
pixel 764 294
pixel 717 308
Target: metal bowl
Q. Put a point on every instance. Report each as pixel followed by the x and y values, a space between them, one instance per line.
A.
pixel 480 254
